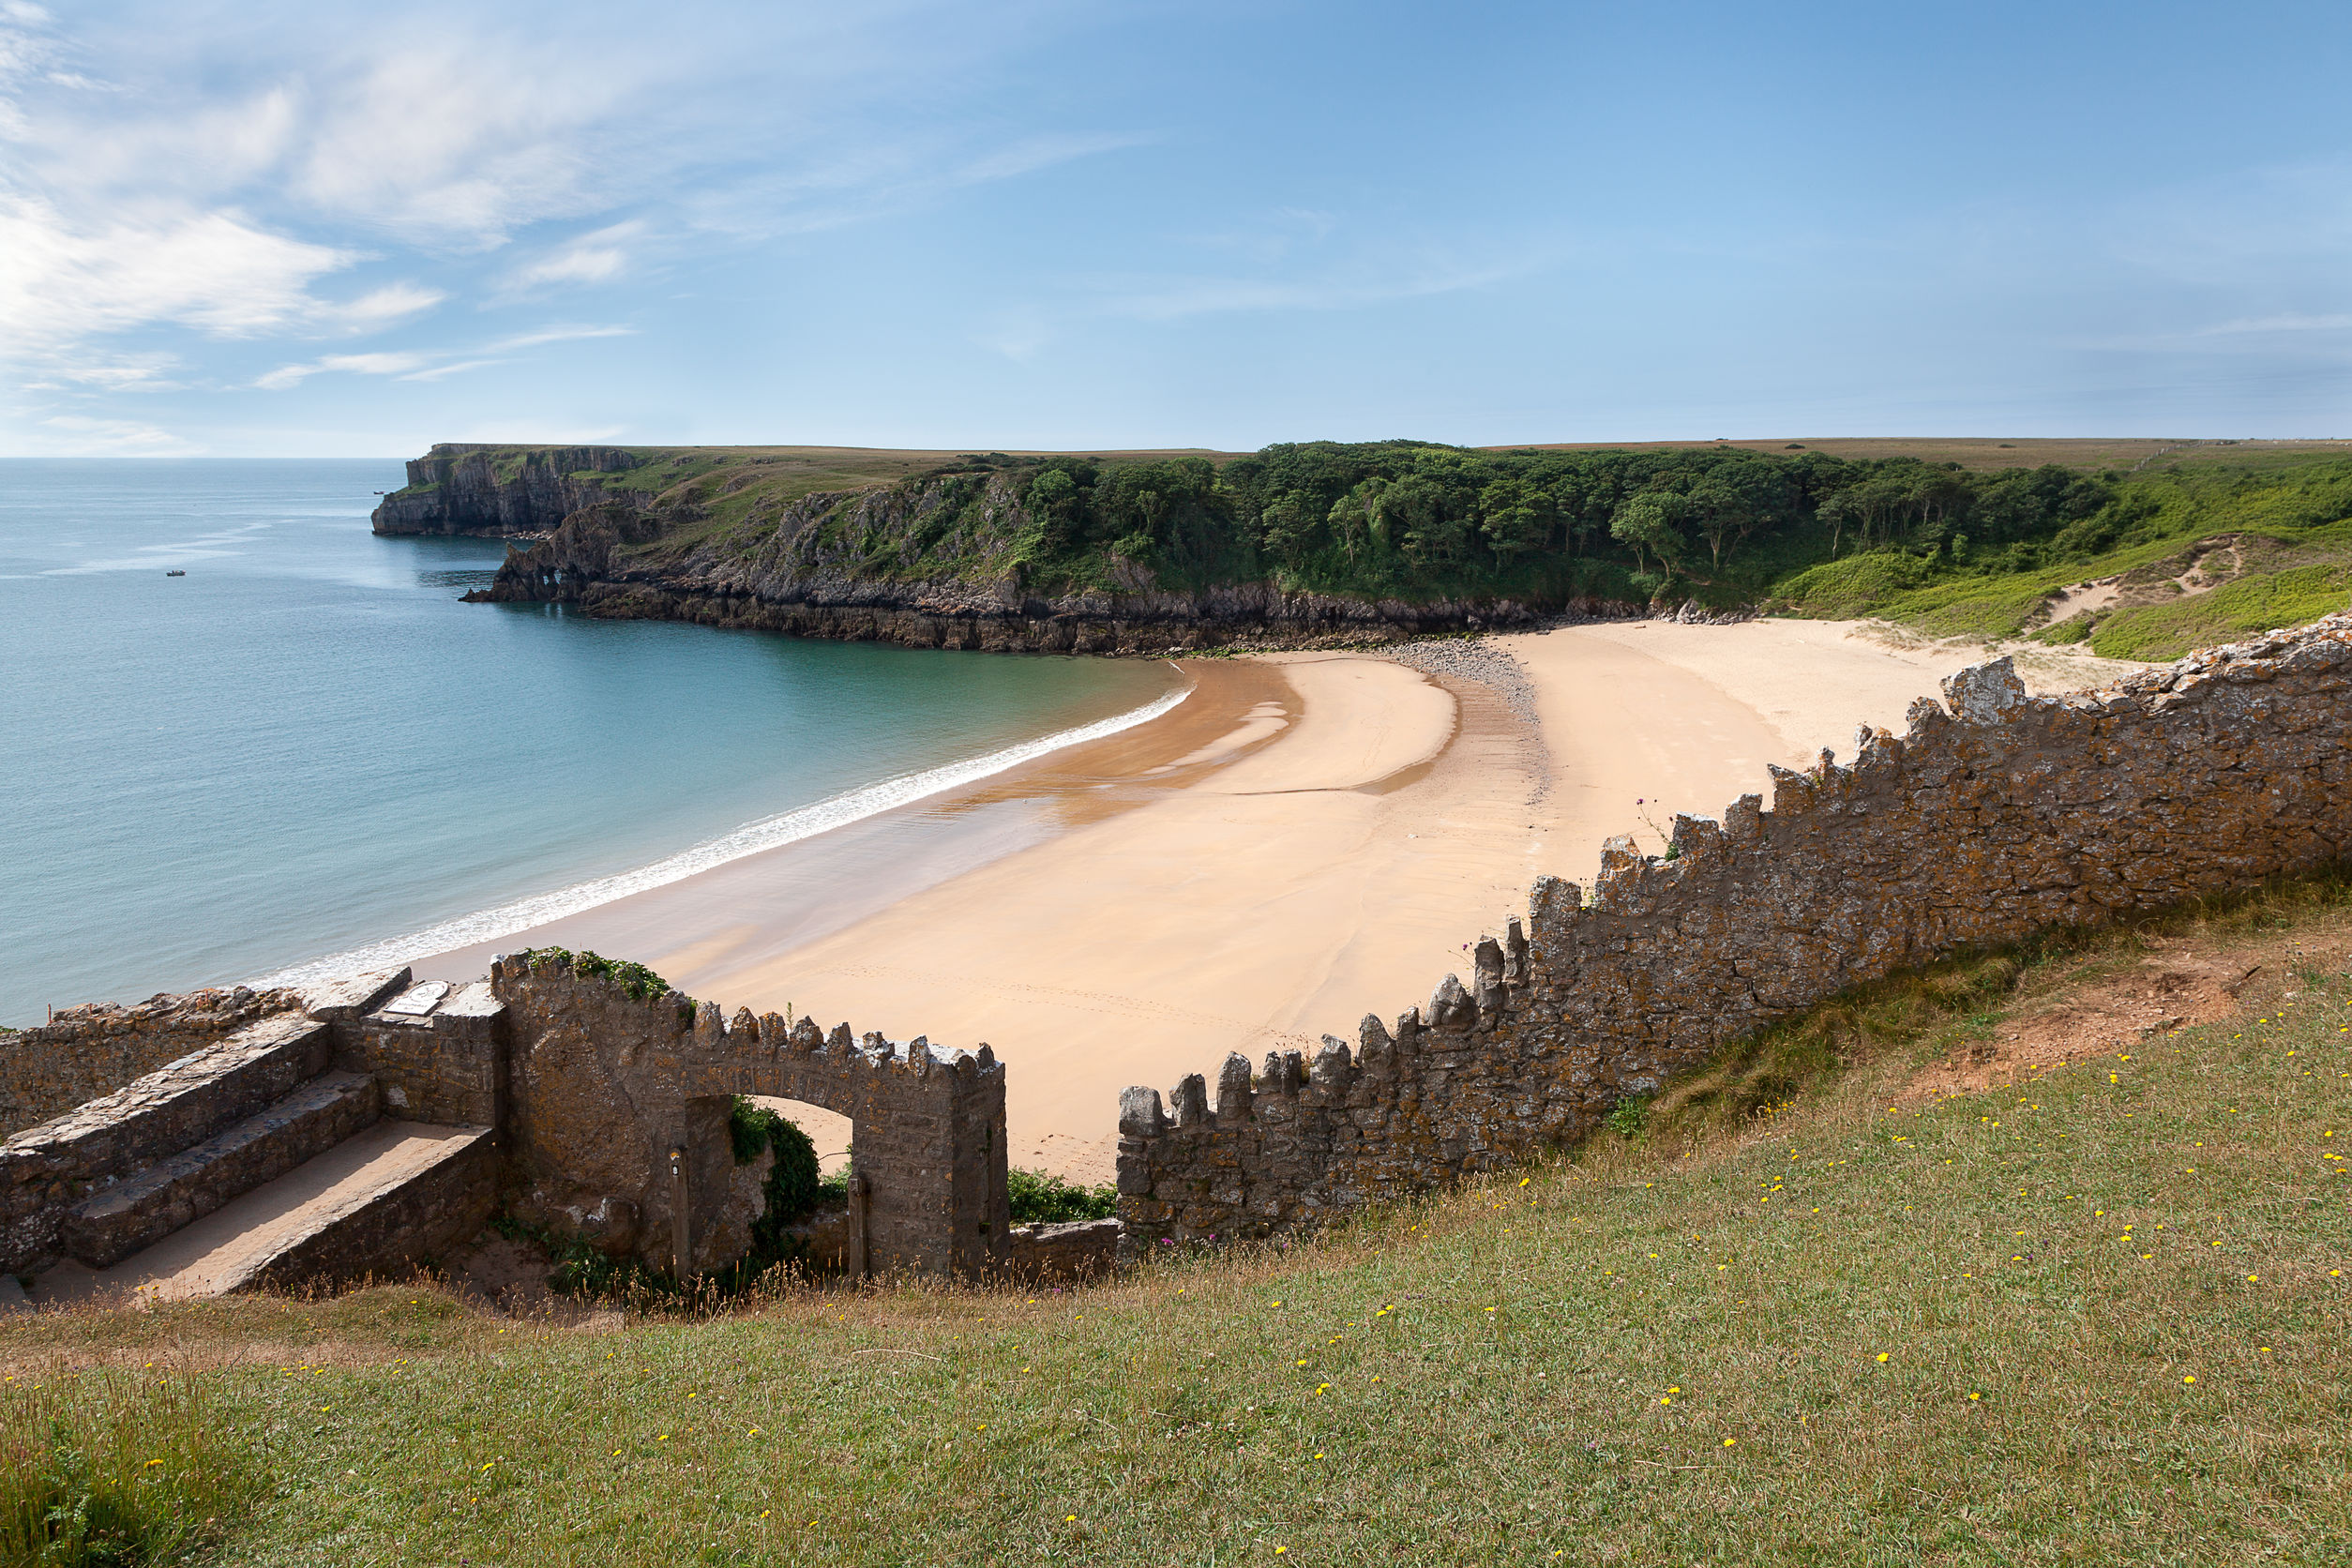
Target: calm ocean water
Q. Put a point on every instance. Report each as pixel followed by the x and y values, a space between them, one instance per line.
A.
pixel 307 745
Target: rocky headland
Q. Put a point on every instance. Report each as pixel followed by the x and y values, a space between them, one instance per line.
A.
pixel 946 559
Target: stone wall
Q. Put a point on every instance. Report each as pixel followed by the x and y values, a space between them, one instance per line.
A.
pixel 1073 1250
pixel 447 1066
pixel 581 1091
pixel 422 1220
pixel 2002 816
pixel 91 1050
pixel 49 1168
pixel 603 1086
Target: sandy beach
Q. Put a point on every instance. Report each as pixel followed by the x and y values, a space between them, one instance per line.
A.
pixel 1309 838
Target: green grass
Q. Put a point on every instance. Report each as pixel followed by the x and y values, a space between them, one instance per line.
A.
pixel 114 1466
pixel 2255 603
pixel 2289 521
pixel 1779 1323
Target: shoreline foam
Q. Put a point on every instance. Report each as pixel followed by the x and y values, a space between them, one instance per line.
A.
pixel 758 836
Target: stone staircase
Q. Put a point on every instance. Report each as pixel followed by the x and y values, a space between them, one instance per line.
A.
pixel 264 1158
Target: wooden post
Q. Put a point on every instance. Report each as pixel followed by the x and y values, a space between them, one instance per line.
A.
pixel 681 1218
pixel 856 1259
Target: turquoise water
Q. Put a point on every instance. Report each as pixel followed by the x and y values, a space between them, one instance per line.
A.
pixel 307 745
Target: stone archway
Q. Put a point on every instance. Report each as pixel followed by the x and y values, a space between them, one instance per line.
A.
pixel 605 1086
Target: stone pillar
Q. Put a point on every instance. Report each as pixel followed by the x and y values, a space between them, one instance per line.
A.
pixel 855 1258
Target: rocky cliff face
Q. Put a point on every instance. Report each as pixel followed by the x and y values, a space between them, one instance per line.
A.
pixel 461 489
pixel 863 567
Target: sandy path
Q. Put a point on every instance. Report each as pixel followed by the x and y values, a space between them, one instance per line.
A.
pixel 1310 838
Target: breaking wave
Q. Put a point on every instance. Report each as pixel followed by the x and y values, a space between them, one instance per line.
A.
pixel 768 832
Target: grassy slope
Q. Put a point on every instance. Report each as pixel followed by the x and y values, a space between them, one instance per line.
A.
pixel 2297 552
pixel 1984 455
pixel 1919 1337
pixel 727 485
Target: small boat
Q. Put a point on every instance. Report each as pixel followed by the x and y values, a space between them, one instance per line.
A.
pixel 175 572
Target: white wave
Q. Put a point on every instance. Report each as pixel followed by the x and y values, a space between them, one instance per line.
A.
pixel 768 832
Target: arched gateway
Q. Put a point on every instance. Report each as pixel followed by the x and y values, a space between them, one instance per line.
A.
pixel 616 1110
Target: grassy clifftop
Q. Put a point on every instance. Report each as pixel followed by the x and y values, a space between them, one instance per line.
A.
pixel 2098 1311
pixel 2189 543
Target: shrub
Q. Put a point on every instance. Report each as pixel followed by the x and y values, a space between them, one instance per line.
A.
pixel 1629 1116
pixel 636 981
pixel 792 1184
pixel 1038 1199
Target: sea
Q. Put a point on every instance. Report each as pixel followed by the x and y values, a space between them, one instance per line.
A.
pixel 306 755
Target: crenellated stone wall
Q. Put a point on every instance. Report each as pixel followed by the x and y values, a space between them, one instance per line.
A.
pixel 1994 816
pixel 1998 817
pixel 602 1086
pixel 601 1113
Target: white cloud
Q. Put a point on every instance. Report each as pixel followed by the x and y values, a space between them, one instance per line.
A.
pixel 77 436
pixel 427 364
pixel 169 173
pixel 64 277
pixel 462 142
pixel 594 258
pixel 391 364
pixel 435 372
pixel 113 373
pixel 382 307
pixel 558 335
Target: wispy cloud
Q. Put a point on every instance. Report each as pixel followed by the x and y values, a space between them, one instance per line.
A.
pixel 427 364
pixel 286 377
pixel 833 187
pixel 65 277
pixel 558 335
pixel 176 185
pixel 78 436
pixel 596 258
pixel 2277 323
pixel 1174 298
pixel 456 367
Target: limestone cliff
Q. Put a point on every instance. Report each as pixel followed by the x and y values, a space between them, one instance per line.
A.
pixel 459 489
pixel 927 563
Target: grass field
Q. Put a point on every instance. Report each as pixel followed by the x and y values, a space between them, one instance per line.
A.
pixel 2099 1316
pixel 1990 454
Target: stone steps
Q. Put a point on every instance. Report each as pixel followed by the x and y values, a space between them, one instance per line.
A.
pixel 183 1102
pixel 380 1202
pixel 116 1221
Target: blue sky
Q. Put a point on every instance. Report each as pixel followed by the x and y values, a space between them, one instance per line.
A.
pixel 324 229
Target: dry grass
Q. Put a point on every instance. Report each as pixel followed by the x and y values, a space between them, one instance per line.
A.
pixel 2098 1317
pixel 1988 454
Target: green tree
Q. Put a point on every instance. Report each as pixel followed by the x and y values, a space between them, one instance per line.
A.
pixel 1651 522
pixel 1292 526
pixel 1057 506
pixel 1516 519
pixel 1724 517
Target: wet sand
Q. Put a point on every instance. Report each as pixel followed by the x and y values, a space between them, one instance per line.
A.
pixel 1309 837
